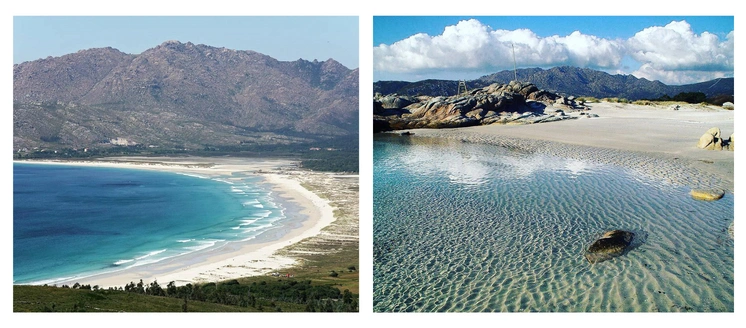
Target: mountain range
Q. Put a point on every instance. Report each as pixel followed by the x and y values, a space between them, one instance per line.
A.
pixel 571 81
pixel 181 95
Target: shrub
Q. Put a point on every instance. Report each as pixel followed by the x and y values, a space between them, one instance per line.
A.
pixel 719 100
pixel 690 97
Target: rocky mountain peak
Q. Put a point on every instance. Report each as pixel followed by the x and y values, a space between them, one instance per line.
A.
pixel 177 94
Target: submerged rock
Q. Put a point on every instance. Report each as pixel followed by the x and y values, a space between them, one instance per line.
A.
pixel 707 195
pixel 611 244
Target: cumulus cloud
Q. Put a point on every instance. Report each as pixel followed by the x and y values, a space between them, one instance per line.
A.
pixel 676 54
pixel 473 45
pixel 673 53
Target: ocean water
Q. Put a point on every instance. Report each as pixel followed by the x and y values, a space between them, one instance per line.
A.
pixel 71 222
pixel 464 227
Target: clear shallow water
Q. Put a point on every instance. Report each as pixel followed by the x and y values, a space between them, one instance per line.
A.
pixel 463 227
pixel 73 221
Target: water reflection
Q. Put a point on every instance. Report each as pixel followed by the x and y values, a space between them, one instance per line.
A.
pixel 468 163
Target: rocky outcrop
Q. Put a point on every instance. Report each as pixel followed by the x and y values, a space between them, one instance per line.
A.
pixel 728 105
pixel 706 195
pixel 513 103
pixel 712 140
pixel 610 245
pixel 395 101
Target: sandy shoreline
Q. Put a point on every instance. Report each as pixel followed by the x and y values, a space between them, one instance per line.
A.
pixel 654 139
pixel 236 259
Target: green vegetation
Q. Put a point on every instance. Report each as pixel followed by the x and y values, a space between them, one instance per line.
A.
pixel 263 295
pixel 586 100
pixel 688 97
pixel 334 155
pixel 331 161
pixel 55 299
pixel 720 100
pixel 616 100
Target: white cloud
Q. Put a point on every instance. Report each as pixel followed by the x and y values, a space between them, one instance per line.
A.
pixel 673 53
pixel 677 77
pixel 473 45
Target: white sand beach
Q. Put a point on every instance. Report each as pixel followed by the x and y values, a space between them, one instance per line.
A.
pixel 235 259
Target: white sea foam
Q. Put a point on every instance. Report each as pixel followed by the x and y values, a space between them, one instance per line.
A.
pixel 203 244
pixel 248 221
pixel 120 262
pixel 151 254
pixel 224 181
pixel 257 228
pixel 192 175
pixel 262 214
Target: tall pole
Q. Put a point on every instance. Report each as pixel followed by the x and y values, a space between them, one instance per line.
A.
pixel 515 73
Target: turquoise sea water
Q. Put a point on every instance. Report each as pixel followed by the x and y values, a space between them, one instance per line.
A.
pixel 463 227
pixel 71 222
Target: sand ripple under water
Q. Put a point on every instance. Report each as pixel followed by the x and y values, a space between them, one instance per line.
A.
pixel 462 227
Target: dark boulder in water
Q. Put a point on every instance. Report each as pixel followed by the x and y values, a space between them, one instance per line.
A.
pixel 611 244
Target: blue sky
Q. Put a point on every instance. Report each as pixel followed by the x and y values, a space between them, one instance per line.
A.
pixel 672 49
pixel 283 38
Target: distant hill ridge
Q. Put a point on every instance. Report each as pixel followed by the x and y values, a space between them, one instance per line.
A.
pixel 181 95
pixel 564 80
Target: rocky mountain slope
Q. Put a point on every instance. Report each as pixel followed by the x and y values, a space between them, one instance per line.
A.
pixel 181 95
pixel 563 80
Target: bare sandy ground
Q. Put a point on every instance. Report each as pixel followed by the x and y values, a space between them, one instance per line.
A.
pixel 235 259
pixel 656 132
